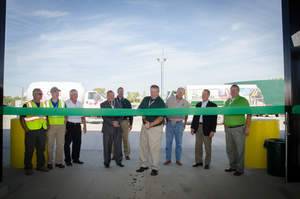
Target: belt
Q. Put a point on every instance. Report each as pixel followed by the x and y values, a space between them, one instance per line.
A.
pixel 231 127
pixel 38 130
pixel 175 121
pixel 125 118
pixel 154 125
pixel 74 124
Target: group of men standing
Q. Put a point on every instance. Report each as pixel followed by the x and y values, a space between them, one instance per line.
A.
pixel 58 131
pixel 150 138
pixel 66 130
pixel 116 129
pixel 203 126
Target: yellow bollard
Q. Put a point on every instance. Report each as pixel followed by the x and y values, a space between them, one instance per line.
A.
pixel 17 145
pixel 260 130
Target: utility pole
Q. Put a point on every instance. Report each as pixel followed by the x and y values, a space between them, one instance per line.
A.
pixel 161 60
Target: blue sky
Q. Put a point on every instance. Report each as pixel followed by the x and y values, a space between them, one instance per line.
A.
pixel 116 43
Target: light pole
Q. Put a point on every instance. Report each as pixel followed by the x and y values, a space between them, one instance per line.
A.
pixel 162 61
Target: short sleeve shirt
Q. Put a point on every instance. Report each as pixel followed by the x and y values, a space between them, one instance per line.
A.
pixel 172 102
pixel 148 102
pixel 235 120
pixel 70 104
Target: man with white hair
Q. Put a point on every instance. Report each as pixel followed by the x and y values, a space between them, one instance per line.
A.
pixel 112 132
pixel 175 126
pixel 73 131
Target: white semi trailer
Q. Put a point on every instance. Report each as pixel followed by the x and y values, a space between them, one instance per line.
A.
pixel 65 88
pixel 220 93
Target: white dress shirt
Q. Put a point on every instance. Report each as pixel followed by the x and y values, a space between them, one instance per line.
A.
pixel 203 105
pixel 70 104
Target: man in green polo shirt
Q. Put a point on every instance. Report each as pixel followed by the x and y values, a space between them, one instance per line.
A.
pixel 151 133
pixel 236 130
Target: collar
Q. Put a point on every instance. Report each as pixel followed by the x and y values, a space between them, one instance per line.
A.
pixel 179 99
pixel 36 102
pixel 73 102
pixel 153 98
pixel 234 98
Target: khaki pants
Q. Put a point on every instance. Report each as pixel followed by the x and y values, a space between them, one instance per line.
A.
pixel 235 147
pixel 125 132
pixel 56 135
pixel 150 144
pixel 200 139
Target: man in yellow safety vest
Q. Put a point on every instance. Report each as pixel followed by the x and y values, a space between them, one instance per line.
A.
pixel 35 128
pixel 57 129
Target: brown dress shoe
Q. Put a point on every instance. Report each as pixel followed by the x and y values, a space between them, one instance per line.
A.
pixel 167 162
pixel 178 163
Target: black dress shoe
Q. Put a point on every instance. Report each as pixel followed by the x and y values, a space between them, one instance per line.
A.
pixel 120 164
pixel 61 166
pixel 230 170
pixel 142 169
pixel 198 165
pixel 42 169
pixel 106 165
pixel 78 162
pixel 69 164
pixel 206 167
pixel 28 172
pixel 238 173
pixel 127 157
pixel 154 172
pixel 50 166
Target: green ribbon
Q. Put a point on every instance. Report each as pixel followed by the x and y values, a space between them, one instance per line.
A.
pixel 257 110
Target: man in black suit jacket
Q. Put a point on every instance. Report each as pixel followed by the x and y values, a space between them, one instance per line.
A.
pixel 204 126
pixel 112 133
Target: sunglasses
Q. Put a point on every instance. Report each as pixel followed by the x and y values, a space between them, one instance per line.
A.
pixel 39 93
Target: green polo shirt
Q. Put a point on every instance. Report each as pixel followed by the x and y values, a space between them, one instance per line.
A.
pixel 147 102
pixel 235 120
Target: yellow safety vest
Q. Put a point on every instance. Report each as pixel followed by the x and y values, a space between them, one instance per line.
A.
pixel 56 120
pixel 35 122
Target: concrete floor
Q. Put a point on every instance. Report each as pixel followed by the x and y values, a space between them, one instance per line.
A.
pixel 92 180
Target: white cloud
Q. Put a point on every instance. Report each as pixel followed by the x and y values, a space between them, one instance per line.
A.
pixel 49 13
pixel 115 52
pixel 236 26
